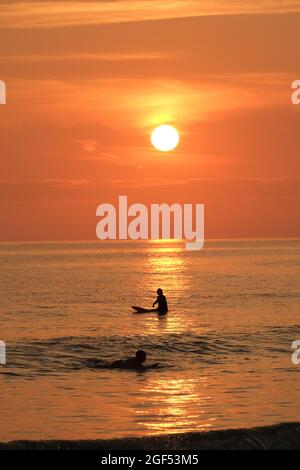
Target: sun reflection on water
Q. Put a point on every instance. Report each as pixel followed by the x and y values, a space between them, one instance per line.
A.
pixel 169 405
pixel 166 268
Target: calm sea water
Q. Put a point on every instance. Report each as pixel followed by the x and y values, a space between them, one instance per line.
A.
pixel 224 349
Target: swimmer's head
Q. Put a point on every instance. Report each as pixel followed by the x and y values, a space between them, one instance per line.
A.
pixel 159 291
pixel 140 356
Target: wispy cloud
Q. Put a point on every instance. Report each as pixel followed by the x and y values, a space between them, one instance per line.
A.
pixel 84 190
pixel 236 182
pixel 109 57
pixel 52 14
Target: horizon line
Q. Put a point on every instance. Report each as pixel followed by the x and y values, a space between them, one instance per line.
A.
pixel 150 240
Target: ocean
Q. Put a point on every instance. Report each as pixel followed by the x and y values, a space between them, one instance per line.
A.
pixel 224 349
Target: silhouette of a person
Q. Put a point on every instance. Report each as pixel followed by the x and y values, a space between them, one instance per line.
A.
pixel 162 302
pixel 136 362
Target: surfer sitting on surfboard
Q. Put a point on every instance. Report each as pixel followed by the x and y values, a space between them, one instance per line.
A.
pixel 162 302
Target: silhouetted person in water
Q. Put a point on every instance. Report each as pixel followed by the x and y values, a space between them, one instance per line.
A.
pixel 136 362
pixel 162 302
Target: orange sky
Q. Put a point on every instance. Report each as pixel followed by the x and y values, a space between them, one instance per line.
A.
pixel 87 82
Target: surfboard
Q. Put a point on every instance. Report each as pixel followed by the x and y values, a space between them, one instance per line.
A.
pixel 143 310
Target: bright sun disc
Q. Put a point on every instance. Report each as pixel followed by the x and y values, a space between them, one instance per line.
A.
pixel 165 138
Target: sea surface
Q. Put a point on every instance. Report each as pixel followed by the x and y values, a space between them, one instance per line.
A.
pixel 224 349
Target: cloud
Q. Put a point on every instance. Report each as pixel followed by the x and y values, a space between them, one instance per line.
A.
pixel 185 48
pixel 105 57
pixel 13 190
pixel 51 14
pixel 83 190
pixel 88 145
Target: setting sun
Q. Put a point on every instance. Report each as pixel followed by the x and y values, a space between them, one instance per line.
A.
pixel 165 138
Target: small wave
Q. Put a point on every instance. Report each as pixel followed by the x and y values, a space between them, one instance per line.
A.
pixel 181 350
pixel 285 436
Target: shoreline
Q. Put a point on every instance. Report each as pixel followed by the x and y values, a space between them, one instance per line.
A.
pixel 284 436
